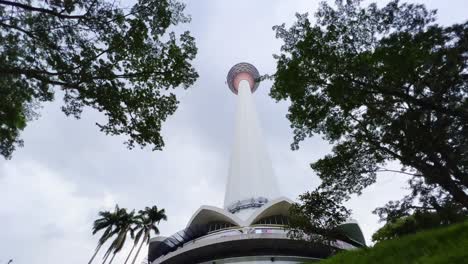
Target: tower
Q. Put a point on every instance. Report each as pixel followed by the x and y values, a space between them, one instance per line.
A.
pixel 252 226
pixel 251 181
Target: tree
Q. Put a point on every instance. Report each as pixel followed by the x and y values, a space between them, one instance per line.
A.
pixel 120 223
pixel 123 227
pixel 120 61
pixel 317 218
pixel 107 222
pixel 382 85
pixel 148 220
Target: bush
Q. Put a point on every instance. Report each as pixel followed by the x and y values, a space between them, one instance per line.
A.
pixel 442 245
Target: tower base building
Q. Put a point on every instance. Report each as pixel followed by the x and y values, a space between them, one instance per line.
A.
pixel 252 226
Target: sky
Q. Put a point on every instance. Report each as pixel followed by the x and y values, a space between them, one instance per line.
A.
pixel 68 171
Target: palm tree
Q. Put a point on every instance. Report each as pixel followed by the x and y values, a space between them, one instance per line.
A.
pixel 123 227
pixel 132 230
pixel 147 221
pixel 106 221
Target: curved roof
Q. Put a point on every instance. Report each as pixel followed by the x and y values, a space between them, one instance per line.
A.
pixel 352 230
pixel 279 206
pixel 206 214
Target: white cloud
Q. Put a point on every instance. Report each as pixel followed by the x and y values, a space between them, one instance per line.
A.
pixel 53 188
pixel 44 219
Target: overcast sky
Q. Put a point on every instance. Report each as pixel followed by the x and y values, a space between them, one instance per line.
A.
pixel 53 188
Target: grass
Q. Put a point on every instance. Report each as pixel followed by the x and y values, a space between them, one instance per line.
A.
pixel 442 245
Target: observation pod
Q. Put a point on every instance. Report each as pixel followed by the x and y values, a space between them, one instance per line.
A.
pixel 243 71
pixel 252 226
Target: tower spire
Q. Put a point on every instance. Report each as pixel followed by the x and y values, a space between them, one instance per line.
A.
pixel 251 181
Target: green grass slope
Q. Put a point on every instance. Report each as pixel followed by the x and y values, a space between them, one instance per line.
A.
pixel 443 245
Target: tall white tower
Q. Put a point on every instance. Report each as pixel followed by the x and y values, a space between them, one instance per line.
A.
pixel 251 181
pixel 252 226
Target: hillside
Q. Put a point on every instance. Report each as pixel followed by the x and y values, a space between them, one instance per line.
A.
pixel 443 245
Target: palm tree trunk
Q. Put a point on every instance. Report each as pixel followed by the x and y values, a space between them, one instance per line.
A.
pixel 128 257
pixel 105 257
pixel 138 252
pixel 95 253
pixel 112 258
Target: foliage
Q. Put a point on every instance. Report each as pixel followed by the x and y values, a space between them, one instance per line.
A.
pixel 147 222
pixel 382 85
pixel 120 223
pixel 317 217
pixel 420 220
pixel 108 222
pixel 120 61
pixel 123 227
pixel 443 245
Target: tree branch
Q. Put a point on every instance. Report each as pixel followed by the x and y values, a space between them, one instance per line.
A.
pixel 125 76
pixel 39 75
pixel 397 171
pixel 27 71
pixel 422 103
pixel 41 10
pixel 28 33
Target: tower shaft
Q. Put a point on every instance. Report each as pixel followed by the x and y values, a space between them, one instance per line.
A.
pixel 250 173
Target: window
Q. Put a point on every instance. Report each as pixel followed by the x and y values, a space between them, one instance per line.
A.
pixel 215 226
pixel 273 220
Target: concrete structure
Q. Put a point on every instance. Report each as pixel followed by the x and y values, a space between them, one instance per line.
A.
pixel 251 228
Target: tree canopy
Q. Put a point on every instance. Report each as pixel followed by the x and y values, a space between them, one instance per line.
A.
pixel 383 85
pixel 120 61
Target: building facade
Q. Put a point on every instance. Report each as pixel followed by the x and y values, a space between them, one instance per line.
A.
pixel 252 226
